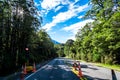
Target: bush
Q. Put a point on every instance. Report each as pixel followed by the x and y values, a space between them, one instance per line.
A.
pixel 96 58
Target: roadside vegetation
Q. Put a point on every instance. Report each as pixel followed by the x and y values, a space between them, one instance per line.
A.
pixel 109 66
pixel 19 29
pixel 98 41
pixel 115 67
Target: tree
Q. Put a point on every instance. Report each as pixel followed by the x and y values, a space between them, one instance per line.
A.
pixel 100 43
pixel 102 9
pixel 83 42
pixel 68 48
pixel 17 23
pixel 44 49
pixel 59 49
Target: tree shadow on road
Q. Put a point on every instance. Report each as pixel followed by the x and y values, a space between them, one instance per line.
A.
pixel 92 68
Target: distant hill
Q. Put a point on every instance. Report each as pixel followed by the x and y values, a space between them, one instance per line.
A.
pixel 56 42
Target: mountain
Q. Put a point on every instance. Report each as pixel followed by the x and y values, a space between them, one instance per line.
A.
pixel 56 42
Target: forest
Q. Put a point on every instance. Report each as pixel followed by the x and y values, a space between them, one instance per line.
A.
pixel 19 29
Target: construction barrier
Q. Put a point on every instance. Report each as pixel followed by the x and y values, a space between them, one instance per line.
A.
pixel 77 70
pixel 34 68
pixel 22 74
pixel 24 70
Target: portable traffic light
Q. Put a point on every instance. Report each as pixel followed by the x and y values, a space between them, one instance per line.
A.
pixel 26 49
pixel 27 52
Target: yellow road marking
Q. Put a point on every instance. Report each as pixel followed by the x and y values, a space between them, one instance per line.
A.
pixel 77 72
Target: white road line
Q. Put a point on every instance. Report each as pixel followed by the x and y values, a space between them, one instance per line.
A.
pixel 38 70
pixel 35 72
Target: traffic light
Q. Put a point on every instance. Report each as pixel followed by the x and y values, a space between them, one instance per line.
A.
pixel 27 54
pixel 26 49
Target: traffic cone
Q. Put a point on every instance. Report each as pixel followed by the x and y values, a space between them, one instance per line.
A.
pixel 24 71
pixel 79 70
pixel 75 66
pixel 79 65
pixel 80 73
pixel 34 68
pixel 22 74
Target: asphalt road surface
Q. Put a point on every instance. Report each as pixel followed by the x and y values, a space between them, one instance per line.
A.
pixel 54 70
pixel 93 72
pixel 60 69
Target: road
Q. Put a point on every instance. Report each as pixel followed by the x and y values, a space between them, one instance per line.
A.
pixel 93 72
pixel 96 73
pixel 54 70
pixel 60 69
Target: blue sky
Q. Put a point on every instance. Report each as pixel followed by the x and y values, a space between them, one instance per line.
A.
pixel 62 18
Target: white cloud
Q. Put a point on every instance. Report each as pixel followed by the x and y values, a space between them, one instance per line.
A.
pixel 75 27
pixel 48 26
pixel 80 17
pixel 58 8
pixel 72 12
pixel 37 4
pixel 61 17
pixel 52 33
pixel 64 16
pixel 48 5
pixel 51 4
pixel 71 37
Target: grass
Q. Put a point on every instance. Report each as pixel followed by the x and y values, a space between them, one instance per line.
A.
pixel 115 67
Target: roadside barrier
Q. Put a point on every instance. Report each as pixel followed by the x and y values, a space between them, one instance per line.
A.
pixel 75 65
pixel 24 70
pixel 22 74
pixel 34 68
pixel 77 70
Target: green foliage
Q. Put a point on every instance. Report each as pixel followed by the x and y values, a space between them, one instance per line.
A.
pixel 43 48
pixel 69 49
pixel 100 41
pixel 19 24
pixel 90 57
pixel 96 56
pixel 59 49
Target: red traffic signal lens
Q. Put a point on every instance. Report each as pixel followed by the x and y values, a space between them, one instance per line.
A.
pixel 26 49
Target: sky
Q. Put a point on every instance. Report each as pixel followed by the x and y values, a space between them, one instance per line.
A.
pixel 63 18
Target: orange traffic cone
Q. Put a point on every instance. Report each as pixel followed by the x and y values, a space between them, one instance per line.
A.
pixel 79 65
pixel 75 66
pixel 22 74
pixel 80 71
pixel 34 68
pixel 24 71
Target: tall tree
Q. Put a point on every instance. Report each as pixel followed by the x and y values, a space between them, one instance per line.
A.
pixel 101 42
pixel 18 21
pixel 68 47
